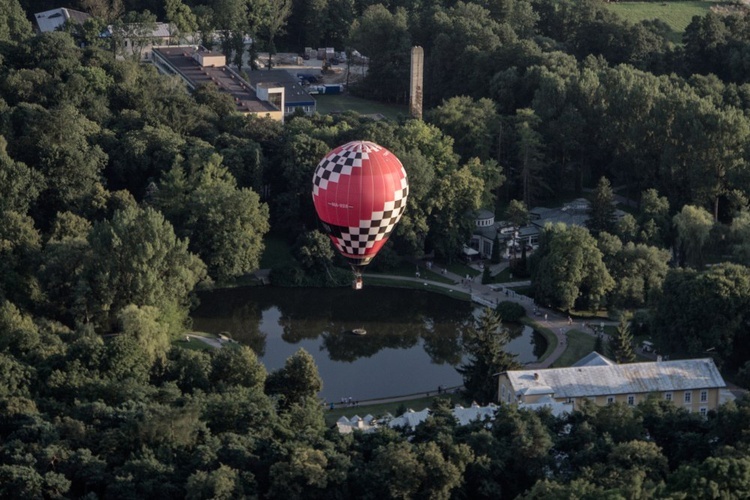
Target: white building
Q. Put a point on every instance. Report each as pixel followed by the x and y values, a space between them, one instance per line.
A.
pixel 53 20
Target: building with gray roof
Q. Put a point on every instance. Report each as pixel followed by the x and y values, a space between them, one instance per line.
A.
pixel 694 384
pixel 52 20
pixel 296 97
pixel 198 66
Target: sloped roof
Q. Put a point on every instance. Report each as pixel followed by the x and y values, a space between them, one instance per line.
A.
pixel 594 359
pixel 466 415
pixel 558 409
pixel 633 378
pixel 410 419
pixel 50 20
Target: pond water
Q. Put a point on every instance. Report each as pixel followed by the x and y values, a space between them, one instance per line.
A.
pixel 412 345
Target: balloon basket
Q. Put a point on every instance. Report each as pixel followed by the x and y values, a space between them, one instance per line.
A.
pixel 357 283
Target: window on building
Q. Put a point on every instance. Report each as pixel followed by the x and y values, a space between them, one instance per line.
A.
pixel 704 411
pixel 668 396
pixel 631 400
pixel 704 396
pixel 688 396
pixel 610 400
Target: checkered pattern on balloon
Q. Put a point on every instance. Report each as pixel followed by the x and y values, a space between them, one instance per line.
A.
pixel 361 240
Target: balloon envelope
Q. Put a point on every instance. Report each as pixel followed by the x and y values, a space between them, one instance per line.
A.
pixel 359 192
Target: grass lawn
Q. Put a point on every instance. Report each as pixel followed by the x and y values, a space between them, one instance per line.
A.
pixel 193 345
pixel 550 337
pixel 408 269
pixel 460 268
pixel 505 276
pixel 340 103
pixel 579 345
pixel 676 14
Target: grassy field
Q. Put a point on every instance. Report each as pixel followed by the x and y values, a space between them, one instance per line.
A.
pixel 341 103
pixel 192 345
pixel 579 345
pixel 676 14
pixel 549 336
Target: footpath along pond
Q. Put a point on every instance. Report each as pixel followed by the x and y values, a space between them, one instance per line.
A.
pixel 413 341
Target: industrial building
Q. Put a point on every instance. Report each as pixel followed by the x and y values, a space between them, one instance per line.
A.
pixel 198 66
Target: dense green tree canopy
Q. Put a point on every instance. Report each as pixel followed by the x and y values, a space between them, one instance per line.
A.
pixel 568 269
pixel 135 258
pixel 557 92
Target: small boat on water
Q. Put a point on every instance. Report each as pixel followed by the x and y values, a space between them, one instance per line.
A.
pixel 359 331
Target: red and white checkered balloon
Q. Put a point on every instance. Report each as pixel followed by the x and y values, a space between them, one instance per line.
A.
pixel 359 192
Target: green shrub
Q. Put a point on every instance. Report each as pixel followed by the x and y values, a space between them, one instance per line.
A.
pixel 510 312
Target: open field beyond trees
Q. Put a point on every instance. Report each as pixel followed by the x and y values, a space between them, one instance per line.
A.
pixel 342 103
pixel 676 14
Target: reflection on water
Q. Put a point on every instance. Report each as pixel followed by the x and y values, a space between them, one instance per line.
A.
pixel 412 345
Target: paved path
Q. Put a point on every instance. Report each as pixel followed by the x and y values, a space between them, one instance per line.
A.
pixel 490 295
pixel 396 399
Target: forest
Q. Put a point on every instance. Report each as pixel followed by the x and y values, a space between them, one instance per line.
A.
pixel 121 194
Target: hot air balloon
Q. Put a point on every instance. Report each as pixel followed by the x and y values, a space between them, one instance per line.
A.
pixel 359 192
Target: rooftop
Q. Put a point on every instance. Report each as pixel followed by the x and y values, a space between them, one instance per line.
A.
pixel 633 378
pixel 51 20
pixel 181 60
pixel 294 94
pixel 594 359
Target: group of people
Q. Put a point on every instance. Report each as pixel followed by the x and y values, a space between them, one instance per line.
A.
pixel 349 402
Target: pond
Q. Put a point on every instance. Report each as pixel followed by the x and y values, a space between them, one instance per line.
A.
pixel 412 345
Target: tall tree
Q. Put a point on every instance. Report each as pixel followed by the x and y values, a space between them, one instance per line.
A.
pixel 20 246
pixel 530 157
pixel 384 38
pixel 457 196
pixel 473 124
pixel 484 344
pixel 106 10
pixel 693 226
pixel 225 225
pixel 701 311
pixel 14 25
pixel 132 33
pixel 621 343
pixel 517 214
pixel 568 270
pixel 602 210
pixel 653 218
pixel 276 15
pixel 19 184
pixel 182 20
pixel 297 381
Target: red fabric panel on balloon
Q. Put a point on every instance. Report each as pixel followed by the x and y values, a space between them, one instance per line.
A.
pixel 359 192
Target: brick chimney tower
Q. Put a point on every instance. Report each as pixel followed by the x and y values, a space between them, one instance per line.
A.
pixel 415 86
